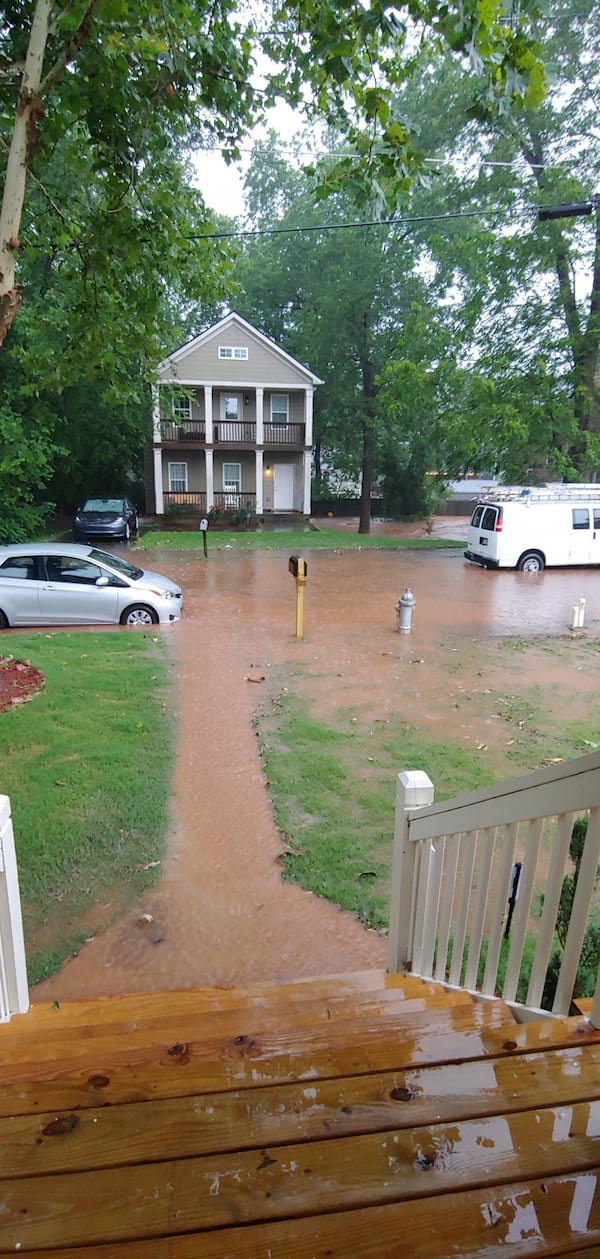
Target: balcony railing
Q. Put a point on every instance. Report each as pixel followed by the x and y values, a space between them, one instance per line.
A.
pixel 284 434
pixel 477 885
pixel 230 433
pixel 190 431
pixel 192 502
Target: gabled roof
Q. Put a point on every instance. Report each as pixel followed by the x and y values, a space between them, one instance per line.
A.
pixel 220 327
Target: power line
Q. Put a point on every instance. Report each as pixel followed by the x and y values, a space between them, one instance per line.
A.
pixel 388 222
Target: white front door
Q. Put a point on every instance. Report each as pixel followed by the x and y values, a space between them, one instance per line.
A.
pixel 283 486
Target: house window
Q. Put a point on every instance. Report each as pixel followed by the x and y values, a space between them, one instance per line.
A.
pixel 178 478
pixel 232 477
pixel 231 407
pixel 182 408
pixel 279 408
pixel 233 351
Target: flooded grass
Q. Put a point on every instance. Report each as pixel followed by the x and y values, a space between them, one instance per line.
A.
pixel 332 781
pixel 87 767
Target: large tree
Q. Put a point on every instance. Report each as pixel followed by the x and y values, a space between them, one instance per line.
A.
pixel 113 76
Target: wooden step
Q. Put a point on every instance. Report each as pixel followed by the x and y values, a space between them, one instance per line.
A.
pixel 298 1180
pixel 472 1224
pixel 114 1070
pixel 181 1127
pixel 181 1020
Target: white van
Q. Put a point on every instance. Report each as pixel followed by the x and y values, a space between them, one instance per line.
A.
pixel 531 528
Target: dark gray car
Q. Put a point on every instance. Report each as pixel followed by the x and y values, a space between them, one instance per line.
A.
pixel 105 518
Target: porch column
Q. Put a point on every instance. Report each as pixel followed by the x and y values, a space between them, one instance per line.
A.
pixel 156 413
pixel 307 473
pixel 308 417
pixel 209 467
pixel 259 482
pixel 159 505
pixel 208 416
pixel 260 425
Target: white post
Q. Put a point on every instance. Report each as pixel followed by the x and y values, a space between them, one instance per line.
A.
pixel 414 791
pixel 156 413
pixel 208 415
pixel 210 478
pixel 159 502
pixel 260 423
pixel 14 993
pixel 307 479
pixel 258 473
pixel 308 420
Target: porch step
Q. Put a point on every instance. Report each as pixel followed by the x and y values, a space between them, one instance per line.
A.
pixel 369 1116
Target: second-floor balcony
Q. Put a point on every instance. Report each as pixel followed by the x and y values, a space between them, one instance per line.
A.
pixel 230 433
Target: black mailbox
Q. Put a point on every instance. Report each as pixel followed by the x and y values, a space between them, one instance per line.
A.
pixel 297 566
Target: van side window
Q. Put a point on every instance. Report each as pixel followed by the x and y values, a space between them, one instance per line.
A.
pixel 596 517
pixel 581 518
pixel 489 519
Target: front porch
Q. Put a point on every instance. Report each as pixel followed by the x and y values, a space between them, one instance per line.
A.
pixel 364 1115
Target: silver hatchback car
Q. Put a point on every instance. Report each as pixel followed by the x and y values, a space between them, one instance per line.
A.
pixel 52 583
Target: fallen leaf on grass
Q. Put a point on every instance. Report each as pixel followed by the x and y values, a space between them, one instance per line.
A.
pixel 148 865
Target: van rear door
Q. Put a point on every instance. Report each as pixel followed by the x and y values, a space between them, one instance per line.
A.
pixel 484 534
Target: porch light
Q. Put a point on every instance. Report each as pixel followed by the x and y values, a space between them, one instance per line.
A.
pixel 268 471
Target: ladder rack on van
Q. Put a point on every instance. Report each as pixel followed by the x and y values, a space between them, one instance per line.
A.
pixel 542 493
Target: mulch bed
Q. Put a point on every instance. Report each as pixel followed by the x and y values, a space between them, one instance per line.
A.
pixel 19 681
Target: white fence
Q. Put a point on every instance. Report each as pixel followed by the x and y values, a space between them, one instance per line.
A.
pixel 452 874
pixel 14 993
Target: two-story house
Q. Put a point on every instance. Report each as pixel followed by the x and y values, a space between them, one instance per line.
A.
pixel 232 425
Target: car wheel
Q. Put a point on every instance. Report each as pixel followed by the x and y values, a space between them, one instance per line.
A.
pixel 3 620
pixel 139 614
pixel 531 562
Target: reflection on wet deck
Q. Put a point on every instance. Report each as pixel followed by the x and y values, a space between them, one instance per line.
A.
pixel 361 1115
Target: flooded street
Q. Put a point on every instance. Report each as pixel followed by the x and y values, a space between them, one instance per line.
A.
pixel 221 913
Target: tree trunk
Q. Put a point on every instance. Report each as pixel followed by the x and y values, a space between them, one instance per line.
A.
pixel 19 157
pixel 368 470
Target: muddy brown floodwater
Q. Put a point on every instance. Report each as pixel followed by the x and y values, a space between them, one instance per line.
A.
pixel 221 913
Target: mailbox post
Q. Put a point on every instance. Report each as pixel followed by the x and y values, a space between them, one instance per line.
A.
pixel 299 568
pixel 204 531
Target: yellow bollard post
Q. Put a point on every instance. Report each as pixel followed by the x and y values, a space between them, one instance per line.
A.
pixel 298 568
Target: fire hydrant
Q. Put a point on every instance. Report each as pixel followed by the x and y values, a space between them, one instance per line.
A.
pixel 404 611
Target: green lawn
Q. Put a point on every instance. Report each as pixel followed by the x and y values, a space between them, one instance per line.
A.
pixel 87 766
pixel 283 539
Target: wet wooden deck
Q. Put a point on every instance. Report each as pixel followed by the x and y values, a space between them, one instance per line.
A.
pixel 368 1116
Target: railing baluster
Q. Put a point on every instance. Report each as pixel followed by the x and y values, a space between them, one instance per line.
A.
pixel 545 932
pixel 595 1010
pixel 500 901
pixel 519 926
pixel 486 845
pixel 432 903
pixel 446 902
pixel 425 868
pixel 580 909
pixel 467 852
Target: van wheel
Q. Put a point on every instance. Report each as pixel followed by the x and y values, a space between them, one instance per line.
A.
pixel 3 620
pixel 531 562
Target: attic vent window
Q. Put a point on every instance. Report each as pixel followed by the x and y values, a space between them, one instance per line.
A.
pixel 233 351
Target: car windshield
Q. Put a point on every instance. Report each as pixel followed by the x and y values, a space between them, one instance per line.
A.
pixel 103 504
pixel 117 564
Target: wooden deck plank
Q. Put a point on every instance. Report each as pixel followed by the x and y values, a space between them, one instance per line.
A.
pixel 392 1005
pixel 90 1076
pixel 538 1219
pixel 219 1191
pixel 159 1130
pixel 124 1010
pixel 178 1070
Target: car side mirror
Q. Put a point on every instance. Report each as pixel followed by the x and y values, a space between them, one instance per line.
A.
pixel 103 581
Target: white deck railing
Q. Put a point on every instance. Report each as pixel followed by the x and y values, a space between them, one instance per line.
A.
pixel 14 993
pixel 452 874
